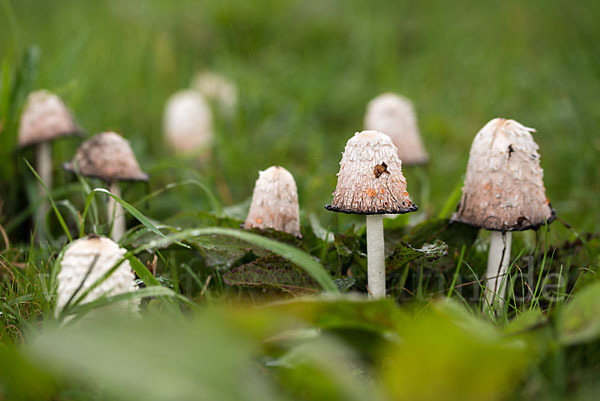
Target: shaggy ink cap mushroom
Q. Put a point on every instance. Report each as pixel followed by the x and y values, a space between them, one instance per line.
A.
pixel 504 187
pixel 109 157
pixel 370 179
pixel 44 119
pixel 395 116
pixel 370 182
pixel 275 202
pixel 85 261
pixel 187 121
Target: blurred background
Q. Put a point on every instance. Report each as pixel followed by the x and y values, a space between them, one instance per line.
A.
pixel 305 71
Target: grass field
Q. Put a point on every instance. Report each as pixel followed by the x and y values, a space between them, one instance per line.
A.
pixel 305 71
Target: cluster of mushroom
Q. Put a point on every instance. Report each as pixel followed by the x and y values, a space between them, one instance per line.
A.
pixel 503 190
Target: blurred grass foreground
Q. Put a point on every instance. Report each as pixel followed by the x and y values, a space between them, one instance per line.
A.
pixel 231 314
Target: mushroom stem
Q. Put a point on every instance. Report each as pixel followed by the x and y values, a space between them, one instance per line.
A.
pixel 375 256
pixel 497 267
pixel 115 213
pixel 44 169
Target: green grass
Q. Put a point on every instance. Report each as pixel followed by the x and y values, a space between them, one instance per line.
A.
pixel 305 71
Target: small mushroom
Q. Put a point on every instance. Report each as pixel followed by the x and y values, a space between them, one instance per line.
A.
pixel 187 122
pixel 370 182
pixel 503 192
pixel 218 89
pixel 275 202
pixel 85 261
pixel 109 157
pixel 45 118
pixel 395 116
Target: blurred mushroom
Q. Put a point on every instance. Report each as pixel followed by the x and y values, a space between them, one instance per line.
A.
pixel 394 115
pixel 45 118
pixel 274 202
pixel 503 192
pixel 187 122
pixel 85 261
pixel 218 89
pixel 109 157
pixel 370 182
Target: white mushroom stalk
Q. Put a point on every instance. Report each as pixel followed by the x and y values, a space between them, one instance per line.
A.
pixel 85 261
pixel 115 213
pixel 370 182
pixel 275 202
pixel 497 267
pixel 503 192
pixel 44 119
pixel 188 122
pixel 395 116
pixel 109 156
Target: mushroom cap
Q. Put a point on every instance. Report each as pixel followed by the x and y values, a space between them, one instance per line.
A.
pixel 504 186
pixel 45 118
pixel 274 202
pixel 187 121
pixel 395 116
pixel 217 88
pixel 77 261
pixel 370 179
pixel 109 157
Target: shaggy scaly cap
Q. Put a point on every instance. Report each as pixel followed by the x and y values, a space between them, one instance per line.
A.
pixel 504 187
pixel 187 121
pixel 45 118
pixel 370 179
pixel 275 202
pixel 109 157
pixel 76 263
pixel 218 89
pixel 395 116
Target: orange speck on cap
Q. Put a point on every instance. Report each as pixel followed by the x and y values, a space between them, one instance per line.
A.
pixel 371 192
pixel 258 220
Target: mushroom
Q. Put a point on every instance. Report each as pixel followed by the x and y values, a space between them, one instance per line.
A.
pixel 370 182
pixel 187 121
pixel 109 157
pixel 275 202
pixel 218 89
pixel 44 119
pixel 503 192
pixel 85 261
pixel 395 116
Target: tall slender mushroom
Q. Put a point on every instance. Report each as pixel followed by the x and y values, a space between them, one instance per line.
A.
pixel 85 261
pixel 503 192
pixel 370 182
pixel 275 202
pixel 109 157
pixel 187 122
pixel 395 116
pixel 45 118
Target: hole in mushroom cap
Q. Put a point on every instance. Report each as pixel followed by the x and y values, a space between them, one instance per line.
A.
pixel 380 169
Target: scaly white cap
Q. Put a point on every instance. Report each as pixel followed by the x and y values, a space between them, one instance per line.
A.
pixel 504 186
pixel 275 202
pixel 44 119
pixel 109 157
pixel 395 116
pixel 370 179
pixel 187 122
pixel 78 262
